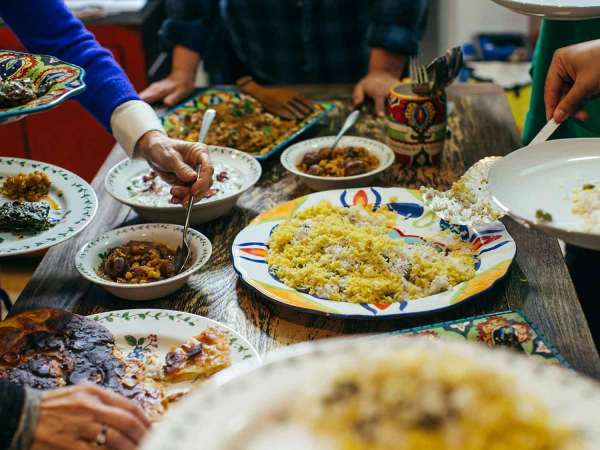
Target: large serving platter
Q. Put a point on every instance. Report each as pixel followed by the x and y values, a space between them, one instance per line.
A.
pixel 226 409
pixel 193 104
pixel 555 9
pixel 64 80
pixel 543 176
pixel 141 333
pixel 492 244
pixel 73 205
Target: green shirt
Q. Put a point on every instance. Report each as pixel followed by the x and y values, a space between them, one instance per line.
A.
pixel 555 34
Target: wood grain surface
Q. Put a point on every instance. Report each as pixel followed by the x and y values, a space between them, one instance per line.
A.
pixel 480 124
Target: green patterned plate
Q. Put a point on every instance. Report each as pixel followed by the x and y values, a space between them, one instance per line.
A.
pixel 73 204
pixel 151 333
pixel 63 81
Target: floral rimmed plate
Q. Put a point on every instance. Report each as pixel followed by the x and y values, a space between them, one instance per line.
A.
pixel 64 81
pixel 236 410
pixel 143 333
pixel 195 104
pixel 493 246
pixel 73 204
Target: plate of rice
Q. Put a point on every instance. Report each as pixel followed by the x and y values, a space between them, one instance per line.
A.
pixel 387 393
pixel 368 253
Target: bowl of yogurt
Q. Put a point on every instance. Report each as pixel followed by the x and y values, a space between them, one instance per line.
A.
pixel 134 183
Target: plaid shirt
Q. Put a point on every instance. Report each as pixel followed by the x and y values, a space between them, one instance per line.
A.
pixel 295 41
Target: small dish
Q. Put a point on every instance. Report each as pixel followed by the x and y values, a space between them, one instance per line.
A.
pixel 63 80
pixel 120 178
pixel 555 9
pixel 294 154
pixel 542 178
pixel 90 256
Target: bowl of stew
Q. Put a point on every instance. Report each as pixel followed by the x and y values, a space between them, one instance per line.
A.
pixel 137 262
pixel 354 162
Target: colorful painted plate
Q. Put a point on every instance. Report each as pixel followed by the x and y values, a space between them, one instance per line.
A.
pixel 73 204
pixel 491 243
pixel 153 332
pixel 555 9
pixel 194 104
pixel 232 410
pixel 64 81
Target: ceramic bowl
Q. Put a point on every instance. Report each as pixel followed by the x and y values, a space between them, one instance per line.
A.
pixel 64 81
pixel 294 154
pixel 88 259
pixel 120 176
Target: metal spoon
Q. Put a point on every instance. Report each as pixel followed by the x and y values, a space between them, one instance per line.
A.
pixel 184 252
pixel 350 120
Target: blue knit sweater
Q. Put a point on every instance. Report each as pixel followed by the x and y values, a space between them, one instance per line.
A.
pixel 48 27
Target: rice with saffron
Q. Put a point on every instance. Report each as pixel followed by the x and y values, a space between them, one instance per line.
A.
pixel 348 254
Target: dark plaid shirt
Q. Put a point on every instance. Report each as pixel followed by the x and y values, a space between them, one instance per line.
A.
pixel 295 41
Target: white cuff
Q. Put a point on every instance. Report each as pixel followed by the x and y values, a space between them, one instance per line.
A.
pixel 130 121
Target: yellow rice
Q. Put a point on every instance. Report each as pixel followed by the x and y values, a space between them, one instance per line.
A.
pixel 347 254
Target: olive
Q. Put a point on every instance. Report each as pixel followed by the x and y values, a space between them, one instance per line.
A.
pixel 116 266
pixel 324 153
pixel 167 269
pixel 311 158
pixel 355 167
pixel 315 169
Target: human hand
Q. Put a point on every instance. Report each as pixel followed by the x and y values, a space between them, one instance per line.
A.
pixel 176 161
pixel 86 417
pixel 376 84
pixel 171 90
pixel 573 76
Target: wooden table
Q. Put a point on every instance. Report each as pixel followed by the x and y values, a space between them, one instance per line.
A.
pixel 480 125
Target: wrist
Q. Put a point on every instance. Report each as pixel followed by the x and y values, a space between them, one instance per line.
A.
pixel 145 142
pixel 384 61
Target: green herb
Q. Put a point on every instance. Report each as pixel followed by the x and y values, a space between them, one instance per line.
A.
pixel 236 111
pixel 248 107
pixel 543 216
pixel 29 216
pixel 267 130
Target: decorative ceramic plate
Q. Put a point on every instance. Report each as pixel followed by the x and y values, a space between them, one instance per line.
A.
pixel 555 9
pixel 229 407
pixel 73 204
pixel 544 177
pixel 195 104
pixel 492 245
pixel 153 332
pixel 63 81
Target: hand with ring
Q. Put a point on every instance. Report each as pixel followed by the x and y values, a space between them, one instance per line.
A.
pixel 86 417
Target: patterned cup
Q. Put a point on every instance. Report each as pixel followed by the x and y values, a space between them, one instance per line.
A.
pixel 415 125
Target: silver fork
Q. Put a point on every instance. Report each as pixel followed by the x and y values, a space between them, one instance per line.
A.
pixel 184 252
pixel 419 78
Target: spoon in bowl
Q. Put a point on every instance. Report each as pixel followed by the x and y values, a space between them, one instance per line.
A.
pixel 183 253
pixel 350 120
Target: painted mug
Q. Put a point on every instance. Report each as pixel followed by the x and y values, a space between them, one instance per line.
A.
pixel 416 125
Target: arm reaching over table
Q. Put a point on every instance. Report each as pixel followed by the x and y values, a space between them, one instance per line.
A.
pixel 77 417
pixel 48 27
pixel 573 77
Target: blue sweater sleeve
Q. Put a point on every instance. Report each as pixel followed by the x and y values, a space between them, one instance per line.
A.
pixel 48 27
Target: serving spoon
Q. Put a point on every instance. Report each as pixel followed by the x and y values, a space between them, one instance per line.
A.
pixel 350 120
pixel 183 253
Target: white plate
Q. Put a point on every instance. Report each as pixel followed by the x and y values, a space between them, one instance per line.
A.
pixel 73 204
pixel 89 258
pixel 555 9
pixel 292 156
pixel 142 332
pixel 230 402
pixel 119 177
pixel 543 176
pixel 491 242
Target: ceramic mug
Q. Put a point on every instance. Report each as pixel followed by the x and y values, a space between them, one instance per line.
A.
pixel 416 125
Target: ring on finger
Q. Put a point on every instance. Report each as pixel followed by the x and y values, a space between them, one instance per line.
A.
pixel 101 437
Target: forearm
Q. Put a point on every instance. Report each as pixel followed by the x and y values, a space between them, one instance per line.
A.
pixel 382 60
pixel 185 61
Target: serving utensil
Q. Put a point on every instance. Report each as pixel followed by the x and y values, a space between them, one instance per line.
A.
pixel 286 103
pixel 444 69
pixel 348 123
pixel 183 253
pixel 420 82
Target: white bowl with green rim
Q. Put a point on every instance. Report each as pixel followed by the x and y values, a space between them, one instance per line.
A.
pixel 292 156
pixel 125 183
pixel 89 258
